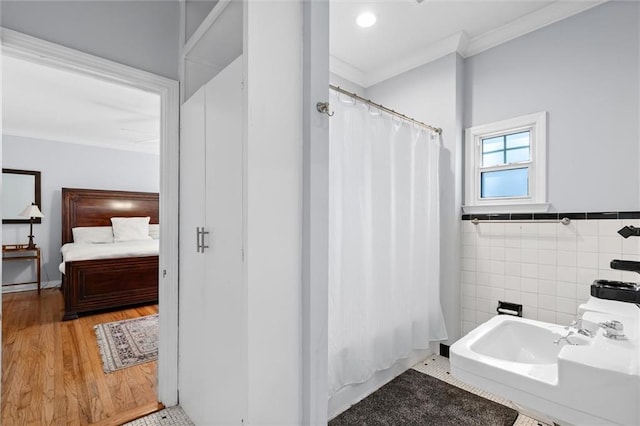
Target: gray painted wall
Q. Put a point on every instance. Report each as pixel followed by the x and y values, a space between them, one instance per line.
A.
pixel 72 166
pixel 142 34
pixel 584 72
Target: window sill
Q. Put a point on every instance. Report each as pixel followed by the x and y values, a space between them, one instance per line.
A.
pixel 507 208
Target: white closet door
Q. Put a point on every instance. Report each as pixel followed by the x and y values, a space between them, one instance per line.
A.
pixel 225 292
pixel 213 314
pixel 192 302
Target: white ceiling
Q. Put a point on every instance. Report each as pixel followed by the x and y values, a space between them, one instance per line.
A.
pixel 46 103
pixel 408 33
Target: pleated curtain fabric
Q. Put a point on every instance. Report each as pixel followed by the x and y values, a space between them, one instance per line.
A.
pixel 384 241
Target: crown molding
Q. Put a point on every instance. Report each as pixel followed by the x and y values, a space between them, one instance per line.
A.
pixel 130 147
pixel 548 15
pixel 346 70
pixel 26 47
pixel 437 50
pixel 460 43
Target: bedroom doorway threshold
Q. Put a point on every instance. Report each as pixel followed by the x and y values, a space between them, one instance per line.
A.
pixel 22 46
pixel 130 415
pixel 173 416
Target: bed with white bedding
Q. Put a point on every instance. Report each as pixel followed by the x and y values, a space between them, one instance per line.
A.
pixel 109 248
pixel 92 251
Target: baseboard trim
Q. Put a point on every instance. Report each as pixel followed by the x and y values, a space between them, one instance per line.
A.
pixel 29 287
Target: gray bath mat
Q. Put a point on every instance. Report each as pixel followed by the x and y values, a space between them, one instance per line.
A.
pixel 414 398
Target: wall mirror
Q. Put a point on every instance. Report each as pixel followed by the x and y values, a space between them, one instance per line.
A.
pixel 19 189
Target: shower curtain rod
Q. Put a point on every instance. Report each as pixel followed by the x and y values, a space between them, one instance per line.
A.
pixel 339 89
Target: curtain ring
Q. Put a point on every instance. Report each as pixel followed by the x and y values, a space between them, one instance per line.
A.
pixel 374 111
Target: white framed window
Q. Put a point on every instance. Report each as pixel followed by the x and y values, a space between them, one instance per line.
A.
pixel 505 165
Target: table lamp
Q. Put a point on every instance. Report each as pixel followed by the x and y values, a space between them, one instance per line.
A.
pixel 31 211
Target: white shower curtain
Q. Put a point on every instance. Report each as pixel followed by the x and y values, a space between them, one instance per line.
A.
pixel 384 239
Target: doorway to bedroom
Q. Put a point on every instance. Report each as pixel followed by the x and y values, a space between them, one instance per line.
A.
pixel 83 122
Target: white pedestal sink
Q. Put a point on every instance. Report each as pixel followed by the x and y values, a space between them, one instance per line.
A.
pixel 585 381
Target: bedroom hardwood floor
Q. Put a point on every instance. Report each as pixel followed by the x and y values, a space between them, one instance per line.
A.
pixel 52 370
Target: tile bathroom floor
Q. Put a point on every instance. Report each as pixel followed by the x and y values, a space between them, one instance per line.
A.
pixel 173 416
pixel 435 365
pixel 438 367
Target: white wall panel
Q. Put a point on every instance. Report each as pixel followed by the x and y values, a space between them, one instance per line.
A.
pixel 273 52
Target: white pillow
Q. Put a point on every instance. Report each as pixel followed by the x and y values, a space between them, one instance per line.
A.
pixel 154 231
pixel 130 228
pixel 92 235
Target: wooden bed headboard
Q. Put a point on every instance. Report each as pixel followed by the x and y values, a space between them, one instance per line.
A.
pixel 96 207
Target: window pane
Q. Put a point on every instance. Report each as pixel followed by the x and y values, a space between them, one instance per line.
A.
pixel 505 183
pixel 493 144
pixel 517 155
pixel 493 159
pixel 518 139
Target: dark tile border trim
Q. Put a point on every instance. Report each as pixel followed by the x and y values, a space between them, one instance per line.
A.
pixel 598 215
pixel 628 215
pixel 547 216
pixel 521 216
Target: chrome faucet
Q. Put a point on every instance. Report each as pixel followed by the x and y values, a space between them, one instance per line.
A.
pixel 579 327
pixel 613 330
pixel 565 338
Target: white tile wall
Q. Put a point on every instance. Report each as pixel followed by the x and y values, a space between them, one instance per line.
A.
pixel 546 267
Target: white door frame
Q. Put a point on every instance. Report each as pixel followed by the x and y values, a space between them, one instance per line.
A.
pixel 315 213
pixel 43 52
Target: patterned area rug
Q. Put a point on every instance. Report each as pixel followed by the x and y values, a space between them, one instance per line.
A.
pixel 127 343
pixel 414 398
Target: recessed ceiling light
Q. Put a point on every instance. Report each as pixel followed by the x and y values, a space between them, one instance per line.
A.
pixel 366 19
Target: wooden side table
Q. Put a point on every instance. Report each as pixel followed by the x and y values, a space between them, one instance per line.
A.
pixel 13 252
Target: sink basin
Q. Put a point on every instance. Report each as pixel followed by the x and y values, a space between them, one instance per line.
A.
pixel 585 381
pixel 528 343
